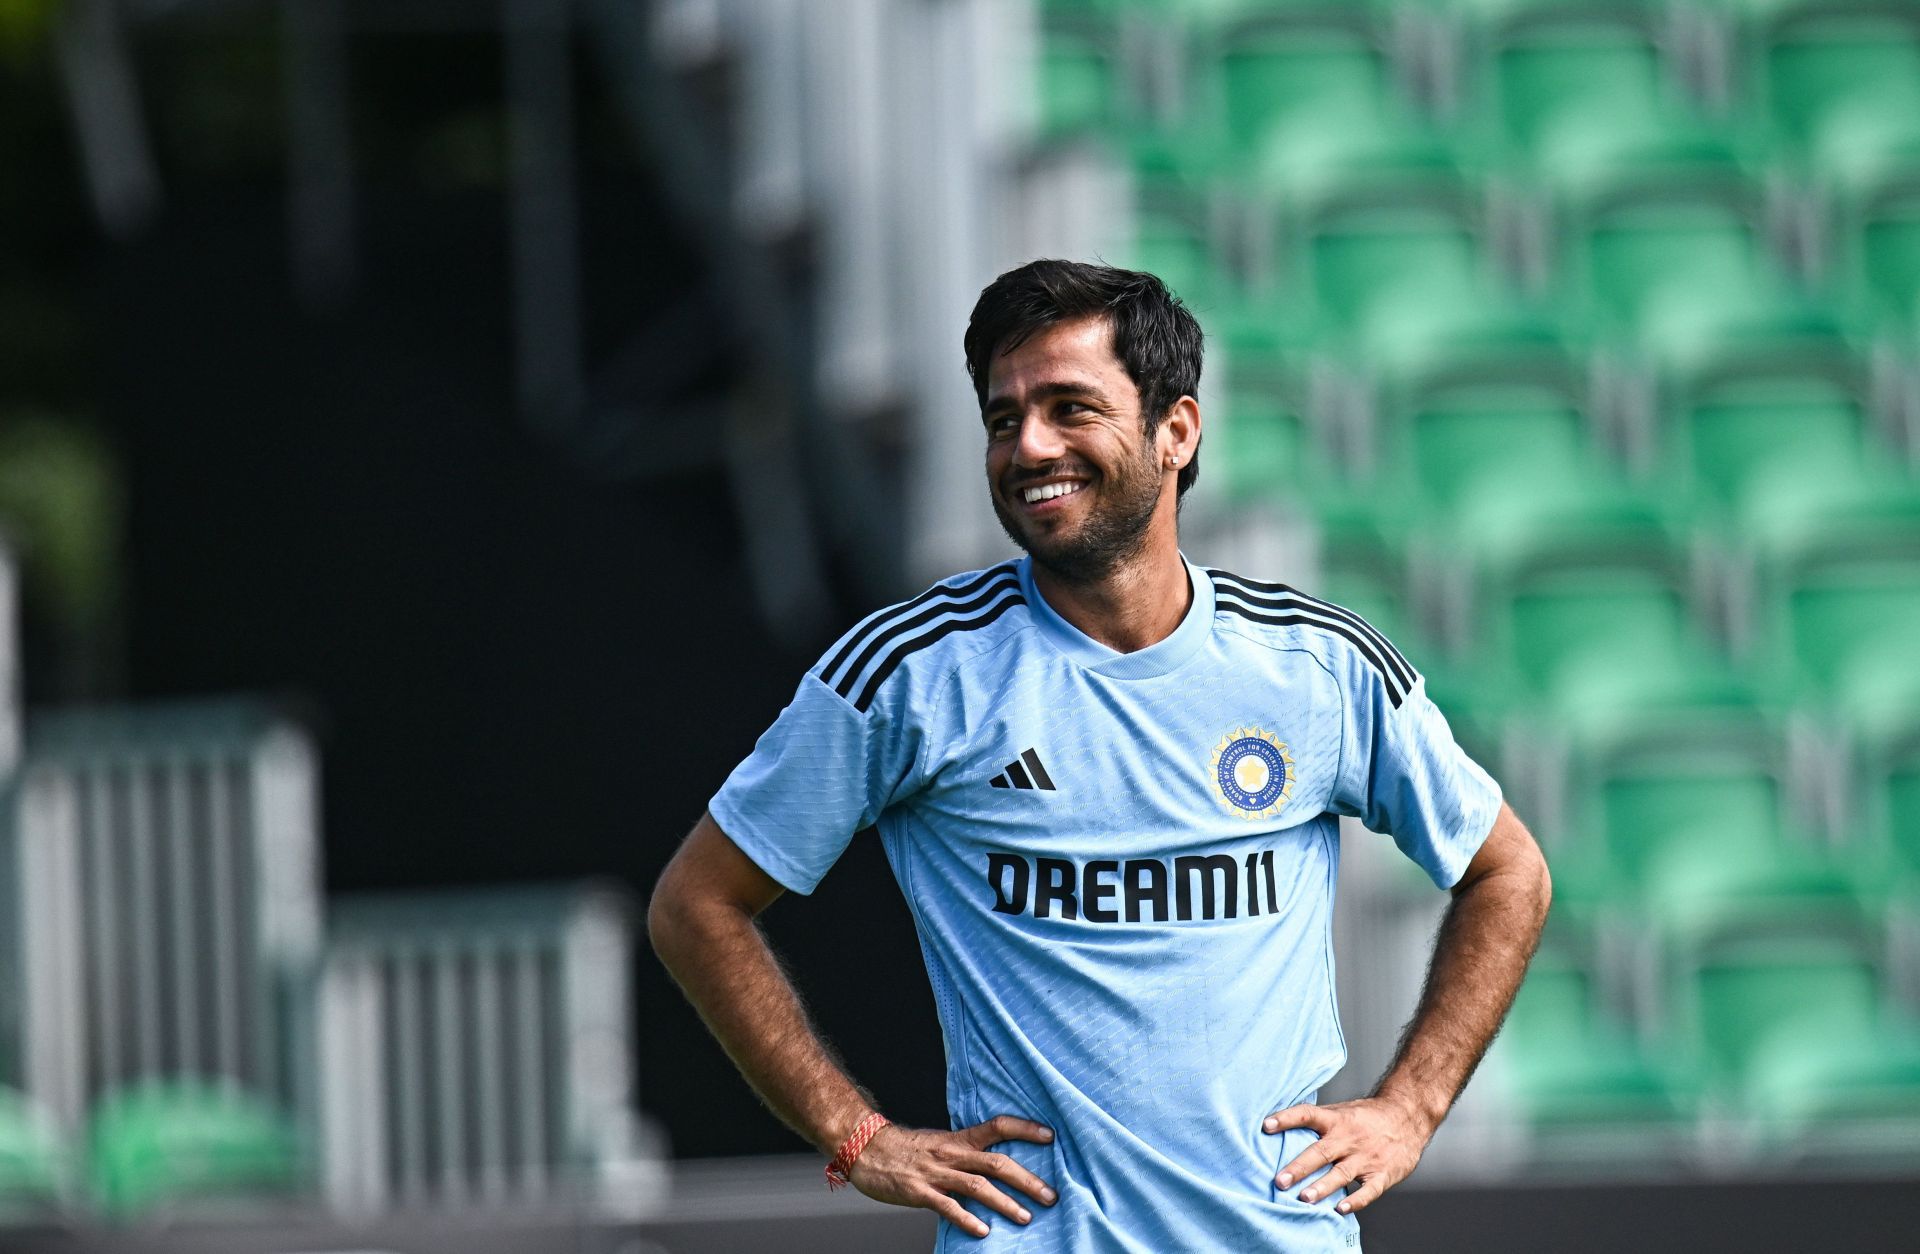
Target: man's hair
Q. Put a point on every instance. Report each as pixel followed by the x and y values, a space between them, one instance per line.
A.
pixel 1156 338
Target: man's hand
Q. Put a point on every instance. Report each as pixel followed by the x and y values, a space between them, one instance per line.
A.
pixel 922 1167
pixel 1371 1142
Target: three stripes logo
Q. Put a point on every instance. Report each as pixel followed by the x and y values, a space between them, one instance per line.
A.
pixel 1280 605
pixel 1024 772
pixel 876 648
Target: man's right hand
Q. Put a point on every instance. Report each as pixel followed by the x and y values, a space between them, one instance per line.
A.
pixel 923 1167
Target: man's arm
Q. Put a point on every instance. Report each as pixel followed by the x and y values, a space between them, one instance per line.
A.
pixel 701 923
pixel 1488 936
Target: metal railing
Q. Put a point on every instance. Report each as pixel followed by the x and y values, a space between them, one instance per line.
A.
pixel 476 1049
pixel 163 866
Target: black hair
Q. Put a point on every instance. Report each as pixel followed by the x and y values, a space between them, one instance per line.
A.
pixel 1156 338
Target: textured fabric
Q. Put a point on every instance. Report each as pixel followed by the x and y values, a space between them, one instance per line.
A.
pixel 1122 869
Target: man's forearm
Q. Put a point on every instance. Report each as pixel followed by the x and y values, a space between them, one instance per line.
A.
pixel 724 966
pixel 1480 955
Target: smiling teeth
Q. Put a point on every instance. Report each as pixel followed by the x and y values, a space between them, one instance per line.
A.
pixel 1049 491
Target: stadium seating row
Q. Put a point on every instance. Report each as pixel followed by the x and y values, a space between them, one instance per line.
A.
pixel 1587 335
pixel 149 1145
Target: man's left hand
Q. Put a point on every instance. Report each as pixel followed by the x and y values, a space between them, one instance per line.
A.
pixel 1368 1145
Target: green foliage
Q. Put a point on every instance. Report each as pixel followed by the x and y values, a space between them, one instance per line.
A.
pixel 24 25
pixel 60 510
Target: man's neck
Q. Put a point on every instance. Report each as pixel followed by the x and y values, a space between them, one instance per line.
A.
pixel 1137 604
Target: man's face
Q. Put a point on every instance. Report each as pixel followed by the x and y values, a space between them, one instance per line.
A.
pixel 1062 415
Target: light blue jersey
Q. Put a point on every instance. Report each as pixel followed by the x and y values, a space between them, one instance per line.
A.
pixel 1121 866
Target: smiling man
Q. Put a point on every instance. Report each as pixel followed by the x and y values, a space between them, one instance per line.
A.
pixel 1109 782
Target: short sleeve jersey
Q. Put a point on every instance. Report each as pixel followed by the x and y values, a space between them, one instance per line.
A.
pixel 1121 867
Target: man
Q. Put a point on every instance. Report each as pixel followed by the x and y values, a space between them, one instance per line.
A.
pixel 1108 781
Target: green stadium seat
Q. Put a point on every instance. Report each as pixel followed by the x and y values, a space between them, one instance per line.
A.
pixel 1900 800
pixel 1886 248
pixel 1800 1037
pixel 1366 261
pixel 1844 96
pixel 1183 254
pixel 1689 286
pixel 1845 631
pixel 1306 116
pixel 33 1162
pixel 1564 1061
pixel 1266 446
pixel 1082 83
pixel 1799 518
pixel 1648 266
pixel 1742 1004
pixel 1626 647
pixel 164 1145
pixel 1585 618
pixel 1281 81
pixel 1409 297
pixel 1471 442
pixel 1739 440
pixel 1585 105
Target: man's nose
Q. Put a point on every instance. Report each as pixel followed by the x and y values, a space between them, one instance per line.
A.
pixel 1039 441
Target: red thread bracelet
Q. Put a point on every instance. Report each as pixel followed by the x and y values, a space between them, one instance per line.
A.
pixel 843 1161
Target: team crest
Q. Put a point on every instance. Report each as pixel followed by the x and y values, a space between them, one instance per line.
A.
pixel 1253 771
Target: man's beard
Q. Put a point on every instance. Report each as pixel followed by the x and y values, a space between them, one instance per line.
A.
pixel 1109 536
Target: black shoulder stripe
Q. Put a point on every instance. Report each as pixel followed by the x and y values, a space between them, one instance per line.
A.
pixel 1387 677
pixel 1276 593
pixel 875 620
pixel 1259 589
pixel 906 626
pixel 1402 672
pixel 932 637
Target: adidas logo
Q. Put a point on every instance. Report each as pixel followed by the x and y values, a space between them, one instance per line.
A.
pixel 1030 775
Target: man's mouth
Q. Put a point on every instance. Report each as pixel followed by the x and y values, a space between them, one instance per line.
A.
pixel 1045 492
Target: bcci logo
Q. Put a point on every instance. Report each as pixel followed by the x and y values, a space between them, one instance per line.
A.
pixel 1254 771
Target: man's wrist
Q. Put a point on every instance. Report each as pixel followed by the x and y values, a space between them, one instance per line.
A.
pixel 840 1125
pixel 1424 1110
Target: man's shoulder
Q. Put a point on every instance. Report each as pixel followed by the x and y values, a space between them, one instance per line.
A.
pixel 919 636
pixel 1283 615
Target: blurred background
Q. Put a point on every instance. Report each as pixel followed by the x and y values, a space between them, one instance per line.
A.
pixel 435 436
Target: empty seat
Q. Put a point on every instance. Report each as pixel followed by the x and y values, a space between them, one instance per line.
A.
pixel 1082 82
pixel 1705 844
pixel 1563 1059
pixel 1524 670
pixel 1845 631
pixel 1739 440
pixel 1284 82
pixel 1886 247
pixel 1365 264
pixel 1183 254
pixel 1265 447
pixel 1409 296
pixel 183 1143
pixel 1587 618
pixel 33 1166
pixel 1463 444
pixel 1807 516
pixel 1688 284
pixel 1799 1036
pixel 1844 96
pixel 1659 269
pixel 1581 104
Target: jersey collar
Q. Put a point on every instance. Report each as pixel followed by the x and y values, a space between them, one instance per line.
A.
pixel 1156 659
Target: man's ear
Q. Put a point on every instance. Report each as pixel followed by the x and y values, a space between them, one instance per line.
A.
pixel 1180 431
